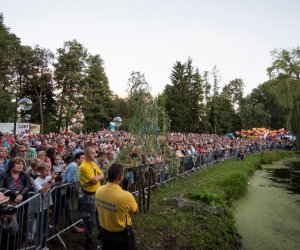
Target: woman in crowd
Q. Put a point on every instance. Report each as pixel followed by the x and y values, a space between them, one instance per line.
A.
pixel 15 180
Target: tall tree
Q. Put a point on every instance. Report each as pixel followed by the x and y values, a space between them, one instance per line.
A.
pixel 20 74
pixel 284 77
pixel 40 87
pixel 184 97
pixel 221 115
pixel 214 109
pixel 234 91
pixel 146 115
pixel 196 102
pixel 177 98
pixel 97 97
pixel 216 80
pixel 9 47
pixel 206 86
pixel 69 75
pixel 286 64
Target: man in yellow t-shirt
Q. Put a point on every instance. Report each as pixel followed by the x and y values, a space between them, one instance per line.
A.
pixel 115 208
pixel 89 177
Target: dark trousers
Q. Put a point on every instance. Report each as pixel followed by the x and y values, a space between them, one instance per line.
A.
pixel 123 240
pixel 88 214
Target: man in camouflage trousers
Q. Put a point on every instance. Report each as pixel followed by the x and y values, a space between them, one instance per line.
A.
pixel 89 176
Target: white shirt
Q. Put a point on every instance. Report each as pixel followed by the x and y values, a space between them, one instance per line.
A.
pixel 38 183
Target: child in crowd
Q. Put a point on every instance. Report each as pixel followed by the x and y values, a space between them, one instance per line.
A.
pixel 42 184
pixel 34 169
pixel 58 168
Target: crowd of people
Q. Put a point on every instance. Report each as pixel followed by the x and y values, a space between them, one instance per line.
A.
pixel 39 162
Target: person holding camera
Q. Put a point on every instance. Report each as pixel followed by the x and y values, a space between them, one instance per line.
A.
pixel 115 208
pixel 8 223
pixel 8 219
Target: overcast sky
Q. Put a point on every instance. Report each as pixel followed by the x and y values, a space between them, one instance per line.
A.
pixel 150 35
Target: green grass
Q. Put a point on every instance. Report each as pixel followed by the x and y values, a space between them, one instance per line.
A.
pixel 207 221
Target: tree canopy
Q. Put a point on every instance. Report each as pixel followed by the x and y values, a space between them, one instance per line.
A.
pixel 71 88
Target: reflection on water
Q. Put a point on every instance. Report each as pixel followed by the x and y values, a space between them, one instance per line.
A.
pixel 288 177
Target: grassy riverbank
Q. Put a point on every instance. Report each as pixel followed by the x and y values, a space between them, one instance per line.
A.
pixel 195 212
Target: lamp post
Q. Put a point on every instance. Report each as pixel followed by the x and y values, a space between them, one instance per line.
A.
pixel 18 91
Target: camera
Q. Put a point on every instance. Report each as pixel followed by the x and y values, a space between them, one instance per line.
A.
pixel 7 210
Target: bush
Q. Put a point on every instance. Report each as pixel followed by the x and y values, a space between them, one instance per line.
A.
pixel 258 164
pixel 209 198
pixel 269 156
pixel 234 186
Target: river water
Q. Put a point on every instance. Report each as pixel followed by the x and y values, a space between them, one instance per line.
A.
pixel 268 216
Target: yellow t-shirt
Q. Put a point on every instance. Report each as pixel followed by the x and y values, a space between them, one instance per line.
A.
pixel 87 171
pixel 113 205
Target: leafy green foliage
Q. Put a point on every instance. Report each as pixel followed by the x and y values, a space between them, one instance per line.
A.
pixel 147 116
pixel 40 88
pixel 69 79
pixel 286 64
pixel 234 91
pixel 235 185
pixel 221 115
pixel 96 101
pixel 212 199
pixel 269 157
pixel 183 99
pixel 284 74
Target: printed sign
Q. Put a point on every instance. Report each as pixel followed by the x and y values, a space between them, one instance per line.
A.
pixel 23 127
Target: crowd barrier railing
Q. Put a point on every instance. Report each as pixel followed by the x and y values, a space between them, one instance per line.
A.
pixel 43 217
pixel 30 225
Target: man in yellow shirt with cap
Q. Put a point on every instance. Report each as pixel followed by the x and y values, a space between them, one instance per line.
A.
pixel 89 177
pixel 115 207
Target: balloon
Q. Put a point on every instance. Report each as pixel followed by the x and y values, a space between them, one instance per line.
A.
pixel 25 104
pixel 27 117
pixel 118 121
pixel 112 126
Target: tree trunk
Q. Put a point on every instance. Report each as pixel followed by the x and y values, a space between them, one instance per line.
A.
pixel 41 113
pixel 59 121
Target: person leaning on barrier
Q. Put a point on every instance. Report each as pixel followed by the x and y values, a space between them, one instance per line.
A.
pixel 42 184
pixel 89 177
pixel 115 207
pixel 16 180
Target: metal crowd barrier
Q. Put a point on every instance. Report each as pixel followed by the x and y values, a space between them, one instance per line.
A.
pixel 158 173
pixel 66 210
pixel 43 217
pixel 31 223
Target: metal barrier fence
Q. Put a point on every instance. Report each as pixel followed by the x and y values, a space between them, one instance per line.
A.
pixel 43 217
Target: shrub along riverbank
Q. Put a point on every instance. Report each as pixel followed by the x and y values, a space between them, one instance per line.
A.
pixel 195 212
